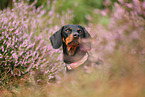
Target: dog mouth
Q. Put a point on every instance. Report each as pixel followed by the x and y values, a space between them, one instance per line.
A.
pixel 72 46
pixel 74 43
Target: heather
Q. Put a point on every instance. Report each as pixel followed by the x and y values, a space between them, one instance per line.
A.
pixel 23 43
pixel 28 63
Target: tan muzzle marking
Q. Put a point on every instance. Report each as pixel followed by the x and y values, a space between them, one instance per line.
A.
pixel 72 46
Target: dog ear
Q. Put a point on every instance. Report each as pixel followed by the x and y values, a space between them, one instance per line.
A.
pixel 87 44
pixel 56 39
pixel 87 35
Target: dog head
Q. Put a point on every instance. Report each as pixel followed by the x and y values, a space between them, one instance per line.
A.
pixel 70 35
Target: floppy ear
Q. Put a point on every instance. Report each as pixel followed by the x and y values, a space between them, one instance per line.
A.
pixel 87 44
pixel 87 35
pixel 56 39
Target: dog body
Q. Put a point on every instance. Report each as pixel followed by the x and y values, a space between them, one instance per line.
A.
pixel 72 37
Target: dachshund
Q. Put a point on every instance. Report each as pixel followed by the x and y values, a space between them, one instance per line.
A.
pixel 73 39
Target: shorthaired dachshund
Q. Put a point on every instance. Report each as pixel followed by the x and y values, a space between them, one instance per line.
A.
pixel 73 40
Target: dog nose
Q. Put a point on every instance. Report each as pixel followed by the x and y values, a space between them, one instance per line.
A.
pixel 76 35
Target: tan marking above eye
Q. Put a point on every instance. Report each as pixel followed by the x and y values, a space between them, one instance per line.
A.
pixel 80 31
pixel 68 30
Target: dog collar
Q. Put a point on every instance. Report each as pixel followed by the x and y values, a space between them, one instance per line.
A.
pixel 77 64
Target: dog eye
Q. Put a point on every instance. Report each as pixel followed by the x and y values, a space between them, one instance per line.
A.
pixel 80 31
pixel 67 30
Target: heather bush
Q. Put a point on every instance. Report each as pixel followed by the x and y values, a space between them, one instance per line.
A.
pixel 125 30
pixel 120 45
pixel 24 45
pixel 127 27
pixel 81 7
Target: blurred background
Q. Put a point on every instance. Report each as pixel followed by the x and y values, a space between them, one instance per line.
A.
pixel 29 66
pixel 82 9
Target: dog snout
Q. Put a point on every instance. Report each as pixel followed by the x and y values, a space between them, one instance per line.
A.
pixel 76 35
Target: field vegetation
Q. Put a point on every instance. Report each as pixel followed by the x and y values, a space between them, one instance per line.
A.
pixel 30 67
